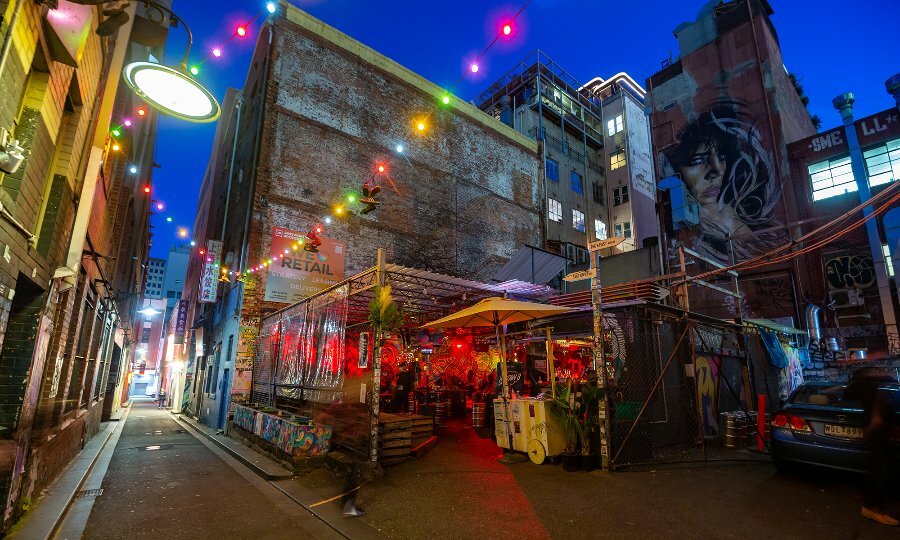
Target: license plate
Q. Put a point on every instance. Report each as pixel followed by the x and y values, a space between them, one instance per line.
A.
pixel 843 431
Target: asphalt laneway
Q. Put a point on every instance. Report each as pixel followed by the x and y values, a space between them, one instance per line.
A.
pixel 162 482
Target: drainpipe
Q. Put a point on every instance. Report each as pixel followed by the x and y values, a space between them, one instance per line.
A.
pixel 69 270
pixel 844 104
pixel 7 39
pixel 237 130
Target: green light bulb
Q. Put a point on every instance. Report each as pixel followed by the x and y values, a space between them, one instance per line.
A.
pixel 195 70
pixel 116 132
pixel 351 198
pixel 445 100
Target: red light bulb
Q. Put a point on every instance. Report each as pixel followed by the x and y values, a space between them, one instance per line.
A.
pixel 507 29
pixel 146 189
pixel 241 30
pixel 142 111
pixel 381 168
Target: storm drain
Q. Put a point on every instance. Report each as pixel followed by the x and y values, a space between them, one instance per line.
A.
pixel 153 447
pixel 88 493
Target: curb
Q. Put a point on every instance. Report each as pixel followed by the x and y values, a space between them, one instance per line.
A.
pixel 259 471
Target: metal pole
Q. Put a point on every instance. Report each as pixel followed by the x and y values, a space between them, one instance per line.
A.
pixel 600 361
pixel 551 368
pixel 375 393
pixel 844 104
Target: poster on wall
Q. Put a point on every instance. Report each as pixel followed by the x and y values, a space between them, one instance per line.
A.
pixel 299 274
pixel 639 150
pixel 209 279
pixel 248 333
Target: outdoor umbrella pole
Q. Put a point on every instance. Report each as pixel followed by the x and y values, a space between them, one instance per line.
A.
pixel 505 383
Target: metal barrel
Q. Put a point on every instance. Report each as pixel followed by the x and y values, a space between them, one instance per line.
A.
pixel 477 415
pixel 733 426
pixel 440 413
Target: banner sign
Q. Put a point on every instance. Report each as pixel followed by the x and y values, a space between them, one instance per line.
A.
pixel 298 274
pixel 209 279
pixel 181 322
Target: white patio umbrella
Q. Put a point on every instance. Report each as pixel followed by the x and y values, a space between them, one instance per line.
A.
pixel 494 312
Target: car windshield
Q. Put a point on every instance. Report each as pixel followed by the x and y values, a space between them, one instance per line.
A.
pixel 824 396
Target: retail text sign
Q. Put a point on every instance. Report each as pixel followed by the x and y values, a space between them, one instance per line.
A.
pixel 209 279
pixel 181 321
pixel 297 274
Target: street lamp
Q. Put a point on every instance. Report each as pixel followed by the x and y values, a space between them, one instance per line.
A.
pixel 172 91
pixel 149 311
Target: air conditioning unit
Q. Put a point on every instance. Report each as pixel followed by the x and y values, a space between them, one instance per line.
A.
pixel 846 298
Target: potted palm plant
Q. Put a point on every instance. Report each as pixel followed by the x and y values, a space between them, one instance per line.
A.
pixel 565 422
pixel 588 415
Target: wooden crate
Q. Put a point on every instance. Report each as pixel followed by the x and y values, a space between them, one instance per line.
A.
pixel 421 427
pixel 394 435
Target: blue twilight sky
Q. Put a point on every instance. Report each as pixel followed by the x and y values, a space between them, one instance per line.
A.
pixel 831 45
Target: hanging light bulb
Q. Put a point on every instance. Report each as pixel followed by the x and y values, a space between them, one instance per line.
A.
pixel 507 29
pixel 241 30
pixel 474 67
pixel 399 148
pixel 270 7
pixel 217 52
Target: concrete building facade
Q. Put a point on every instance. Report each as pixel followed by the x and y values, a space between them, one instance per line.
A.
pixel 156 271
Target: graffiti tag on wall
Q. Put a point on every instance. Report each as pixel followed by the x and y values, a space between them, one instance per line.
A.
pixel 850 271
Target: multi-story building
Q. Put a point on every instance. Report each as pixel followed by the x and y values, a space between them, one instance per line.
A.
pixel 542 101
pixel 156 270
pixel 630 189
pixel 70 278
pixel 467 187
pixel 723 113
pixel 173 278
pixel 840 279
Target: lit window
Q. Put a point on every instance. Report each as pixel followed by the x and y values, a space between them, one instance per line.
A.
pixel 577 186
pixel 831 177
pixel 888 263
pixel 578 220
pixel 552 169
pixel 618 229
pixel 555 210
pixel 617 160
pixel 614 125
pixel 600 229
pixel 626 229
pixel 883 163
pixel 620 195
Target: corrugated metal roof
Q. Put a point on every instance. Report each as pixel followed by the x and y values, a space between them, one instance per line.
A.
pixel 532 265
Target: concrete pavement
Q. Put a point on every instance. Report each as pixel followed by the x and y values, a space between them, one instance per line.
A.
pixel 163 482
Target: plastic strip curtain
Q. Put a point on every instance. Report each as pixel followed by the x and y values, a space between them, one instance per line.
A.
pixel 266 356
pixel 292 353
pixel 326 329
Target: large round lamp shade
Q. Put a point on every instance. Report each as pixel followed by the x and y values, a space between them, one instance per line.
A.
pixel 171 92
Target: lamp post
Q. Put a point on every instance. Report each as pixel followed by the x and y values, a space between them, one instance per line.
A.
pixel 172 91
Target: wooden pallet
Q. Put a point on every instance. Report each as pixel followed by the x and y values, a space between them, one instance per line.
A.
pixel 394 435
pixel 421 426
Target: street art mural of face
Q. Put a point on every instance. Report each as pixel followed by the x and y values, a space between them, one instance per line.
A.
pixel 721 158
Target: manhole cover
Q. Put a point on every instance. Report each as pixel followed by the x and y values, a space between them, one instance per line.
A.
pixel 89 493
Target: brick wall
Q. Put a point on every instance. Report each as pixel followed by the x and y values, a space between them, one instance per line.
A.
pixel 469 187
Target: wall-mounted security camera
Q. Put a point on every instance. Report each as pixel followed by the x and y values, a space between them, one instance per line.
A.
pixel 11 157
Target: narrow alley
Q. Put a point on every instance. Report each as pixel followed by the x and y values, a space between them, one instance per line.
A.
pixel 160 472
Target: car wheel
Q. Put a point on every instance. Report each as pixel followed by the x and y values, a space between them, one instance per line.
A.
pixel 784 467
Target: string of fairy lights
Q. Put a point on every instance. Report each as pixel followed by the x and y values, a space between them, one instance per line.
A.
pixel 362 201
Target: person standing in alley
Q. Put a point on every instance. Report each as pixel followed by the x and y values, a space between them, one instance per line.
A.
pixel 161 397
pixel 865 387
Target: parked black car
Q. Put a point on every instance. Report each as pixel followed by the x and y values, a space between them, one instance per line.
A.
pixel 820 426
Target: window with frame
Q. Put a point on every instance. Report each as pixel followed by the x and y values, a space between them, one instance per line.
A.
pixel 620 195
pixel 555 208
pixel 615 125
pixel 617 160
pixel 600 229
pixel 598 193
pixel 831 178
pixel 883 163
pixel 578 220
pixel 552 169
pixel 888 263
pixel 623 230
pixel 577 185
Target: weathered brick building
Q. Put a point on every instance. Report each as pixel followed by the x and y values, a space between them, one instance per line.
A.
pixel 723 114
pixel 320 111
pixel 73 234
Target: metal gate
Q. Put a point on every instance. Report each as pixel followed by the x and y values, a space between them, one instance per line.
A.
pixel 680 388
